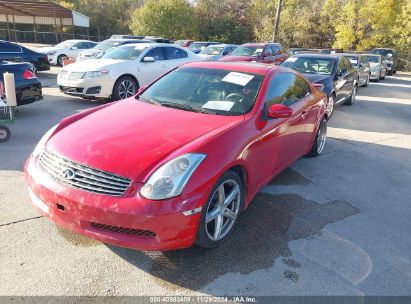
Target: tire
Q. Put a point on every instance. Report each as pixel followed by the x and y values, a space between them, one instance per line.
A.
pixel 4 134
pixel 383 77
pixel 60 59
pixel 366 82
pixel 331 107
pixel 214 215
pixel 390 73
pixel 320 139
pixel 122 89
pixel 351 99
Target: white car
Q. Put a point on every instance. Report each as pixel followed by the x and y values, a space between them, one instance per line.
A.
pixel 65 49
pixel 215 52
pixel 377 65
pixel 120 72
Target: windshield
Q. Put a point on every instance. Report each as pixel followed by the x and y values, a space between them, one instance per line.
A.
pixel 128 52
pixel 373 59
pixel 106 44
pixel 383 52
pixel 65 44
pixel 213 91
pixel 212 50
pixel 248 51
pixel 308 65
pixel 196 46
pixel 353 59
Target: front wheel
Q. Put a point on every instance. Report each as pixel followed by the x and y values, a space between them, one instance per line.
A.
pixel 4 133
pixel 124 87
pixel 220 213
pixel 330 105
pixel 367 81
pixel 320 139
pixel 60 59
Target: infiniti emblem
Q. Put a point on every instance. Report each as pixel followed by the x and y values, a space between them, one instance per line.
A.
pixel 68 173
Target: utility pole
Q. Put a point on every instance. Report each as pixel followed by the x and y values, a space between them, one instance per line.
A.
pixel 277 20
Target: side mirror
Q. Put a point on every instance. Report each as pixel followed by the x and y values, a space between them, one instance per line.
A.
pixel 342 72
pixel 141 90
pixel 279 111
pixel 149 59
pixel 267 55
pixel 225 53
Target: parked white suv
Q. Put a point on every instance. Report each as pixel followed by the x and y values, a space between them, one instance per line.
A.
pixel 120 72
pixel 65 49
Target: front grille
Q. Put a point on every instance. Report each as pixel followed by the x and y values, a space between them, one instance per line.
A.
pixel 63 74
pixel 76 75
pixel 82 177
pixel 122 230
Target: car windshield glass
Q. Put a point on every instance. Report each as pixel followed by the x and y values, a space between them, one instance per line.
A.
pixel 212 50
pixel 309 65
pixel 214 91
pixel 196 46
pixel 352 59
pixel 127 52
pixel 247 51
pixel 65 44
pixel 382 52
pixel 373 58
pixel 106 44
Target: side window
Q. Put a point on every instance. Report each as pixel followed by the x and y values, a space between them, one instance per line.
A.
pixel 175 53
pixel 157 53
pixel 287 89
pixel 275 50
pixel 79 45
pixel 341 66
pixel 6 47
pixel 267 51
pixel 348 64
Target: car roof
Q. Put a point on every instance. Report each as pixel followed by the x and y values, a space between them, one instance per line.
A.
pixel 222 45
pixel 215 42
pixel 245 67
pixel 371 54
pixel 148 44
pixel 350 54
pixel 127 40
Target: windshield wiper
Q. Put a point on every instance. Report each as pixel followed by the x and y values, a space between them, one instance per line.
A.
pixel 149 100
pixel 187 108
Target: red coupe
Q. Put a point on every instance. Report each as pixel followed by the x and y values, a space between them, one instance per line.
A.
pixel 175 165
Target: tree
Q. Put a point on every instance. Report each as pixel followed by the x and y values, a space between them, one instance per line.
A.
pixel 172 19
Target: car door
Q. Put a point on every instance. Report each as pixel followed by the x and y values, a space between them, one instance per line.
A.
pixel 74 50
pixel 351 77
pixel 286 139
pixel 341 81
pixel 150 71
pixel 364 69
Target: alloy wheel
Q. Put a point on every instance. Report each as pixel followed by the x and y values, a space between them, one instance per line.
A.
pixel 330 105
pixel 322 136
pixel 126 89
pixel 223 210
pixel 353 94
pixel 3 134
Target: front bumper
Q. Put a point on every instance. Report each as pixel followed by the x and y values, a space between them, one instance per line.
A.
pixel 130 221
pixel 91 88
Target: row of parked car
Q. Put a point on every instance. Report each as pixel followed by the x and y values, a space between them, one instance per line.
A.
pixel 117 67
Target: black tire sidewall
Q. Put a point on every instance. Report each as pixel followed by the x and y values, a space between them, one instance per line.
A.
pixel 60 59
pixel 202 240
pixel 115 96
pixel 8 134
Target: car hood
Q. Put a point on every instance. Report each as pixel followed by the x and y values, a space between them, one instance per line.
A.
pixel 90 52
pixel 238 58
pixel 318 78
pixel 130 138
pixel 91 65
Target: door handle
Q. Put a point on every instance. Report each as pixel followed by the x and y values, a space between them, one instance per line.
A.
pixel 303 115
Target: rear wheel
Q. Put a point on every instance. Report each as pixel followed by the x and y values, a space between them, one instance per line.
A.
pixel 4 133
pixel 220 213
pixel 367 81
pixel 331 105
pixel 351 99
pixel 390 72
pixel 124 87
pixel 320 139
pixel 383 75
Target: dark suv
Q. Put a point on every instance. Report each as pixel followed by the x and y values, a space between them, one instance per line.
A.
pixel 13 52
pixel 258 52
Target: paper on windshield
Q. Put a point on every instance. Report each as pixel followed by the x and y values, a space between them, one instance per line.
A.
pixel 222 105
pixel 140 47
pixel 116 43
pixel 291 59
pixel 238 78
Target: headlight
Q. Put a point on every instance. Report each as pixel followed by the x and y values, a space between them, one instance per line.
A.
pixel 94 74
pixel 42 142
pixel 52 53
pixel 170 179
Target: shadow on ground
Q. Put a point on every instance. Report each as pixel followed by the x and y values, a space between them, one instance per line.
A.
pixel 263 234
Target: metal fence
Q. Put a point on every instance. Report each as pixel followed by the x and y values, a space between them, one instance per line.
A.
pixel 42 37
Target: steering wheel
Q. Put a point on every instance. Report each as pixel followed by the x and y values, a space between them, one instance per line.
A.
pixel 234 97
